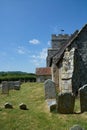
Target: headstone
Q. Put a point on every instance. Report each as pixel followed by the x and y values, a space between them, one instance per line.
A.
pixel 11 85
pixel 76 127
pixel 51 104
pixel 23 106
pixel 17 85
pixel 0 85
pixel 8 105
pixel 5 88
pixel 83 98
pixel 50 89
pixel 66 102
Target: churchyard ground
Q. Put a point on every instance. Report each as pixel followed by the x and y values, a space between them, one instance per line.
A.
pixel 37 117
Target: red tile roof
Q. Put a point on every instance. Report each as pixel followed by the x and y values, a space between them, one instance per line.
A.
pixel 43 71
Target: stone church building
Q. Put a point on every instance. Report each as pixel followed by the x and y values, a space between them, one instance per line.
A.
pixel 68 60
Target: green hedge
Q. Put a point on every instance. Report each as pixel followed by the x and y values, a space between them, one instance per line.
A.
pixel 14 76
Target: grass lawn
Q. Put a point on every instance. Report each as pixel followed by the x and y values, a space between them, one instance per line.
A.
pixel 38 116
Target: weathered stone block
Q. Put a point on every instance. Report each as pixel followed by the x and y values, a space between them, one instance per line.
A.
pixel 52 104
pixel 10 85
pixel 53 107
pixel 23 106
pixel 14 85
pixel 66 103
pixel 50 89
pixel 5 88
pixel 83 98
pixel 17 85
pixel 8 105
pixel 76 127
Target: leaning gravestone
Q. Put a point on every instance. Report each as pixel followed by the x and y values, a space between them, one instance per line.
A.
pixel 50 90
pixel 83 98
pixel 66 102
pixel 5 88
pixel 76 127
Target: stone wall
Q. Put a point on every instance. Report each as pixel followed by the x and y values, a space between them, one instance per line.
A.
pixel 80 61
pixel 66 68
pixel 51 52
pixel 82 51
pixel 55 75
pixel 59 40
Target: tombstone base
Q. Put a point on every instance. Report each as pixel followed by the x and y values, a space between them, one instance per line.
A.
pixel 51 104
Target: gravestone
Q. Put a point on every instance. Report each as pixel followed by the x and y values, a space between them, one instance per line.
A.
pixel 11 85
pixel 76 127
pixel 50 89
pixel 17 85
pixel 65 103
pixel 0 85
pixel 5 88
pixel 23 106
pixel 8 105
pixel 83 98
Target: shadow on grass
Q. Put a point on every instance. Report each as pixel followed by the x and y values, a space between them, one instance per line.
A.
pixel 56 112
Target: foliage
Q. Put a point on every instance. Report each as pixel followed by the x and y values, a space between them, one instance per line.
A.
pixel 17 75
pixel 37 117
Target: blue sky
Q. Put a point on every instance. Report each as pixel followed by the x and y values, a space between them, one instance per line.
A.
pixel 26 27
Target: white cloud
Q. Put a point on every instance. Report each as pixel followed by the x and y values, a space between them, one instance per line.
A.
pixel 40 59
pixel 34 41
pixel 21 50
pixel 43 54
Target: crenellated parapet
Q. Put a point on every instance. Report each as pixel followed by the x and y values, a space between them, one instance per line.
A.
pixel 60 36
pixel 58 40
